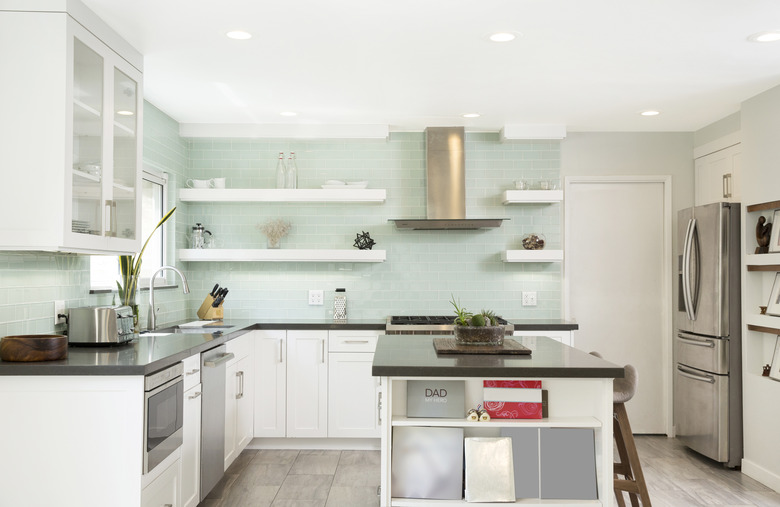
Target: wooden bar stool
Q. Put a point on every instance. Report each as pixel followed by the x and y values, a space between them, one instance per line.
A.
pixel 628 467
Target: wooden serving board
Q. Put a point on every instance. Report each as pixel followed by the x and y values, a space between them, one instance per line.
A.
pixel 449 346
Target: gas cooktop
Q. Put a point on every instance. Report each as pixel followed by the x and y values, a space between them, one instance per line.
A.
pixel 426 323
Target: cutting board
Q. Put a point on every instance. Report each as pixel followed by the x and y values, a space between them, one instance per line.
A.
pixel 450 346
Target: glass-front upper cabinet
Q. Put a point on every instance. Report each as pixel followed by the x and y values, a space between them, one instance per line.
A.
pixel 87 140
pixel 70 131
pixel 105 200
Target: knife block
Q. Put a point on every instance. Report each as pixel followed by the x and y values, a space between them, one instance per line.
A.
pixel 208 312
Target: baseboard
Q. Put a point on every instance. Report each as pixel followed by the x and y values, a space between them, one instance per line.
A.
pixel 341 444
pixel 761 474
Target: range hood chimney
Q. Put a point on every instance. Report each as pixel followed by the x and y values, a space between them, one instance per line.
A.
pixel 445 165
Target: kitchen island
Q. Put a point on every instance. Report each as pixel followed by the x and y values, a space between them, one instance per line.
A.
pixel 579 388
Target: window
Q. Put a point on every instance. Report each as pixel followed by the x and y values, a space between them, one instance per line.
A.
pixel 104 269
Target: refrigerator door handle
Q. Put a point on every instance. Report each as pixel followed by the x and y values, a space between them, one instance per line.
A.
pixel 699 343
pixel 701 378
pixel 686 267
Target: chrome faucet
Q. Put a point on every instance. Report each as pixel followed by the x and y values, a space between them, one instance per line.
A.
pixel 152 321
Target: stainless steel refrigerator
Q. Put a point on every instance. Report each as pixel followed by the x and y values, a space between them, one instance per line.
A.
pixel 708 348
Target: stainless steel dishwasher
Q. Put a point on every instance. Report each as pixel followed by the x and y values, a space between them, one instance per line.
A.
pixel 212 429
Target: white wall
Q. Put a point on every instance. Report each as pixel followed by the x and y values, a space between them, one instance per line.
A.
pixel 760 183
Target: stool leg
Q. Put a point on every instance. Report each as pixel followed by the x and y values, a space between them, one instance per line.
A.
pixel 637 487
pixel 621 468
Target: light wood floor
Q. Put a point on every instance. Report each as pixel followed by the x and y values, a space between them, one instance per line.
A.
pixel 676 477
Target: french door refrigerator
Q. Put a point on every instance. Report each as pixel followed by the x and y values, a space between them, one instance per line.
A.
pixel 707 345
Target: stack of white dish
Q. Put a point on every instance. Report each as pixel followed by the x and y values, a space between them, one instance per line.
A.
pixel 345 184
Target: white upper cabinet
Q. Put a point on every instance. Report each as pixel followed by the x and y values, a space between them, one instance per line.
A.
pixel 717 176
pixel 70 134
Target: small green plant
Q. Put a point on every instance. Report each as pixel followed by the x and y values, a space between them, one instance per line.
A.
pixel 465 318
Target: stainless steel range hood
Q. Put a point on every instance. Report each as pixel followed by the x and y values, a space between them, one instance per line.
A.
pixel 446 185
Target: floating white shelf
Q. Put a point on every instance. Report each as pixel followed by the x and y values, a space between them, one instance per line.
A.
pixel 282 195
pixel 416 502
pixel 770 321
pixel 280 255
pixel 766 259
pixel 550 422
pixel 532 196
pixel 532 255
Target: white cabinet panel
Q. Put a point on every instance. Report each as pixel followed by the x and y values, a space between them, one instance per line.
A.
pixel 164 490
pixel 190 449
pixel 307 383
pixel 270 383
pixel 565 337
pixel 717 176
pixel 239 399
pixel 352 396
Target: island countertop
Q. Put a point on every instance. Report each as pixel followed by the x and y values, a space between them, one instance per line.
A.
pixel 414 356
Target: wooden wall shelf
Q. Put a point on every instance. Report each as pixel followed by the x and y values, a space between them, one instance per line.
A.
pixel 763 206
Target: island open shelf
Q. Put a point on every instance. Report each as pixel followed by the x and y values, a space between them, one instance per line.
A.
pixel 579 388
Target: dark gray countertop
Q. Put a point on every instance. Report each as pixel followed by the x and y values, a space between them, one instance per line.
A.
pixel 414 356
pixel 544 325
pixel 147 354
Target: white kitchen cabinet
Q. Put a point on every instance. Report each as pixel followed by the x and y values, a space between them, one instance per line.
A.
pixel 717 176
pixel 353 393
pixel 565 337
pixel 270 383
pixel 164 491
pixel 239 398
pixel 307 383
pixel 190 448
pixel 70 133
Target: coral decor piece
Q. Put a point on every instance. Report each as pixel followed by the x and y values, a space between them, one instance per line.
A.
pixel 275 230
pixel 363 241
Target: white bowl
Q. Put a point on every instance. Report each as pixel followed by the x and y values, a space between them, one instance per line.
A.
pixel 334 182
pixel 357 184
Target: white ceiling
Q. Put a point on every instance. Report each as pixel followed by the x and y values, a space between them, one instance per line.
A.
pixel 592 65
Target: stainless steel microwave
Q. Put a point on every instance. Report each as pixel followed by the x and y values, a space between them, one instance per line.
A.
pixel 163 414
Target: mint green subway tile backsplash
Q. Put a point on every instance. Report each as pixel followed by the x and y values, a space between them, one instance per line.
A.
pixel 423 268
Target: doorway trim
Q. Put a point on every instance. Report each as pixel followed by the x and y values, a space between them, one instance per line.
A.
pixel 668 326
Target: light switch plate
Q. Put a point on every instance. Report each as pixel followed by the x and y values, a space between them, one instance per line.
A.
pixel 529 298
pixel 59 308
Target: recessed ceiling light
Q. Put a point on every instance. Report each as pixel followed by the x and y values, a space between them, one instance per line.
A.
pixel 471 115
pixel 770 36
pixel 125 113
pixel 650 112
pixel 502 37
pixel 288 113
pixel 238 35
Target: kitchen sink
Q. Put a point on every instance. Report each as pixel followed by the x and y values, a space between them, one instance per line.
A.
pixel 207 329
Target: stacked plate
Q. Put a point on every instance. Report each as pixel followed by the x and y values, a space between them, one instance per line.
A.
pixel 338 184
pixel 80 226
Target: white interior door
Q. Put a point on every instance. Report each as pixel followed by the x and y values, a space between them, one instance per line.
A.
pixel 618 272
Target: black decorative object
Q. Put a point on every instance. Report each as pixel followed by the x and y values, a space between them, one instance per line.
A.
pixel 763 235
pixel 364 242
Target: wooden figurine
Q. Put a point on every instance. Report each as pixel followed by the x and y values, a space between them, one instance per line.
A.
pixel 763 234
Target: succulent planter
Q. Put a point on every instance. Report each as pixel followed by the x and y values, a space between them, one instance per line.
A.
pixel 479 335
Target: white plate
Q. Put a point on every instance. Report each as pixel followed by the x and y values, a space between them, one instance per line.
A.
pixel 335 186
pixel 357 184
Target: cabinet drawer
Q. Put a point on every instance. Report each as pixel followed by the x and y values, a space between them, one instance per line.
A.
pixel 164 490
pixel 241 347
pixel 352 341
pixel 191 371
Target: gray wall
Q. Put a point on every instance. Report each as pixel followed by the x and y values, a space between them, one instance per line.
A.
pixel 723 127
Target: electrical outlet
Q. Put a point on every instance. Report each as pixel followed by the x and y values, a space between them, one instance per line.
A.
pixel 59 309
pixel 316 297
pixel 529 298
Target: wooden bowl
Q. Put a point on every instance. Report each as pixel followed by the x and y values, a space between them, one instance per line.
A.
pixel 34 347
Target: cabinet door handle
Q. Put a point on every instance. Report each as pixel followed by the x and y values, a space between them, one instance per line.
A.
pixel 730 186
pixel 379 407
pixel 193 372
pixel 240 379
pixel 323 351
pixel 356 341
pixel 107 218
pixel 281 360
pixel 195 395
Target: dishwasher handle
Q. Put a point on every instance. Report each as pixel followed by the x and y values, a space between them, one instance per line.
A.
pixel 224 358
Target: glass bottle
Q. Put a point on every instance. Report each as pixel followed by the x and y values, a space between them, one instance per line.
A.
pixel 291 179
pixel 281 171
